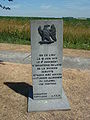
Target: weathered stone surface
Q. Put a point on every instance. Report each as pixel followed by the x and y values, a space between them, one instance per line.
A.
pixel 48 104
pixel 47 45
pixel 46 59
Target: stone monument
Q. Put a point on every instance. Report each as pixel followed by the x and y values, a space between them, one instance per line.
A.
pixel 46 59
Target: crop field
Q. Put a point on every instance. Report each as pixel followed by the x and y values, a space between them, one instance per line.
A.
pixel 17 31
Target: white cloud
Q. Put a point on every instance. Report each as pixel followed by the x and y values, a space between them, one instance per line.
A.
pixel 17 6
pixel 45 6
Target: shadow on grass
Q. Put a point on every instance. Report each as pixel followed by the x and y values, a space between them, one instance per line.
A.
pixel 21 88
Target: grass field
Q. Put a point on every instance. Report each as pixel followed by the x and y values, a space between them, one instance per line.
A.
pixel 77 34
pixel 17 30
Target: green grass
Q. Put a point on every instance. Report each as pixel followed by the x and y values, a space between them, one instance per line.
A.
pixel 17 30
pixel 77 34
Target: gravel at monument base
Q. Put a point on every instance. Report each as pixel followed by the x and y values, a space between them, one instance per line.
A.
pixel 15 80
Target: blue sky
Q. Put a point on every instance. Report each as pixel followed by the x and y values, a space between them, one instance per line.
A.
pixel 47 8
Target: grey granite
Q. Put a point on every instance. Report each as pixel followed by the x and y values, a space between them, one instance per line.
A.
pixel 46 59
pixel 48 104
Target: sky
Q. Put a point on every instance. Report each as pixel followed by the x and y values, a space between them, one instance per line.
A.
pixel 47 8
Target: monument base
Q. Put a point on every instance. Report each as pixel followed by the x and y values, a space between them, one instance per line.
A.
pixel 49 104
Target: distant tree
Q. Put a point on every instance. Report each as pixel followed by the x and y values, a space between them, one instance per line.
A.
pixel 4 7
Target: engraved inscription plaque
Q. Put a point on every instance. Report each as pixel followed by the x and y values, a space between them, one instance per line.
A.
pixel 46 59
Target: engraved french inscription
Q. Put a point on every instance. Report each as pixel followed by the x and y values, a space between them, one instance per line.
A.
pixel 46 42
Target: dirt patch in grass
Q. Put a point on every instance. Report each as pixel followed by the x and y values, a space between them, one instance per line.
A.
pixel 15 47
pixel 76 53
pixel 27 48
pixel 15 80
